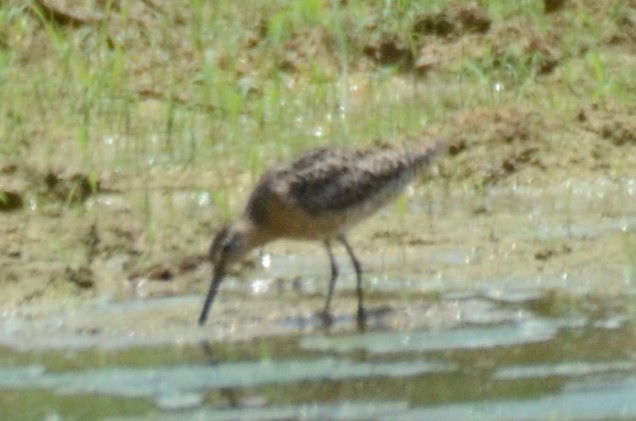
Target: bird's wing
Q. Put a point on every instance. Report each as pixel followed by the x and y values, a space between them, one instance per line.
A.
pixel 340 180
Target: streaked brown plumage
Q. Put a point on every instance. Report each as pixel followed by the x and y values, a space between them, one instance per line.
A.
pixel 318 196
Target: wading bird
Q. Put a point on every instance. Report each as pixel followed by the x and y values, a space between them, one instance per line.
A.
pixel 319 196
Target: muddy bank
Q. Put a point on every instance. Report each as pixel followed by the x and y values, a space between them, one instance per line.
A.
pixel 421 269
pixel 111 189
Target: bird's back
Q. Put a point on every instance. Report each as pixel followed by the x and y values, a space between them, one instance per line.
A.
pixel 337 184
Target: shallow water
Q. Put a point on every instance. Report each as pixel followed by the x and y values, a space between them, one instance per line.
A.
pixel 510 357
pixel 525 313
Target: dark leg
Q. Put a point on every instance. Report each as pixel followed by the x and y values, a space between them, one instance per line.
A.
pixel 332 282
pixel 358 269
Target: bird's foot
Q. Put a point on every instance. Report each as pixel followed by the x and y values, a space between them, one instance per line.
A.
pixel 362 319
pixel 327 318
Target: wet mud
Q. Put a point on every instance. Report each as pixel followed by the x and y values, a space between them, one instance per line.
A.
pixel 525 197
pixel 505 242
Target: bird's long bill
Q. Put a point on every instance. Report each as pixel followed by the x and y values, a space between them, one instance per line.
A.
pixel 219 273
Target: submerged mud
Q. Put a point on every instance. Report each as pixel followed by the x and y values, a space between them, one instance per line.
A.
pixel 419 263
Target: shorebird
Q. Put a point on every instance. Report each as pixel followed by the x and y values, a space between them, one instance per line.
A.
pixel 319 196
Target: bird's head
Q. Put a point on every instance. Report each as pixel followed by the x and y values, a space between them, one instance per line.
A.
pixel 230 244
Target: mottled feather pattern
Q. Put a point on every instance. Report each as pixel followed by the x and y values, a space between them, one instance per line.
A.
pixel 346 180
pixel 338 179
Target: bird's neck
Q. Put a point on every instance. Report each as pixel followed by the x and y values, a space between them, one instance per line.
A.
pixel 253 234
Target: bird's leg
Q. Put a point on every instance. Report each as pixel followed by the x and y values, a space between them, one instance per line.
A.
pixel 358 268
pixel 326 312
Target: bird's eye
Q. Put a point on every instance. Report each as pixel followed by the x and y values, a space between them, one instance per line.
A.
pixel 228 246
